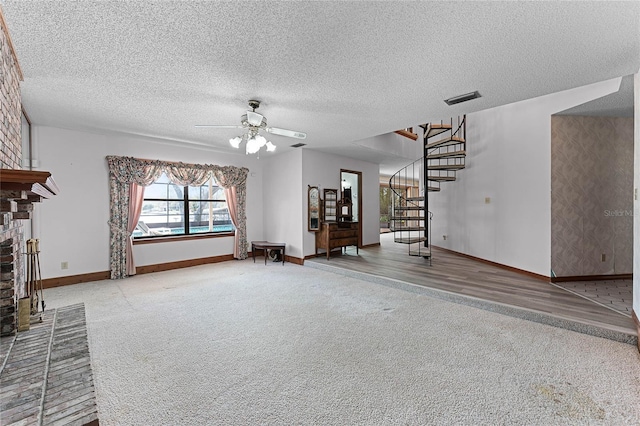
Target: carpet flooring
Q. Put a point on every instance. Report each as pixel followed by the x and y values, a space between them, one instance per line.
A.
pixel 238 343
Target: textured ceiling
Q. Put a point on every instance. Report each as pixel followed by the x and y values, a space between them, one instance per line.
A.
pixel 619 104
pixel 339 71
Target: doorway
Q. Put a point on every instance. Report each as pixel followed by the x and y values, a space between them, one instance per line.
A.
pixel 351 188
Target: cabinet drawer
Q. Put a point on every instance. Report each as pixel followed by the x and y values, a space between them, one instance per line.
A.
pixel 344 233
pixel 351 241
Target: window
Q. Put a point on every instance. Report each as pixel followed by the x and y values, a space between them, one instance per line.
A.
pixel 170 209
pixel 385 205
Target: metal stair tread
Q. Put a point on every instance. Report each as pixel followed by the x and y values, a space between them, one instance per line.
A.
pixel 441 178
pixel 436 129
pixel 452 140
pixel 452 154
pixel 410 240
pixel 404 208
pixel 446 167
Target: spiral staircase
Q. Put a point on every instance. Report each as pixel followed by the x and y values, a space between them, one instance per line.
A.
pixel 444 153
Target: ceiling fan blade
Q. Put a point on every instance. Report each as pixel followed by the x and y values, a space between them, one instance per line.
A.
pixel 219 126
pixel 285 132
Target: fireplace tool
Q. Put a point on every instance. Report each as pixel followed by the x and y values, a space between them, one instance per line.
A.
pixel 34 276
pixel 37 247
pixel 33 304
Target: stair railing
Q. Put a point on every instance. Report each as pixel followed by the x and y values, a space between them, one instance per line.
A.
pixel 408 219
pixel 411 219
pixel 460 132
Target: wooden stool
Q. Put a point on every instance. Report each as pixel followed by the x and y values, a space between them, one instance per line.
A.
pixel 266 246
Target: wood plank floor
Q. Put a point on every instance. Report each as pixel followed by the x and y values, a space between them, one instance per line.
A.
pixel 462 276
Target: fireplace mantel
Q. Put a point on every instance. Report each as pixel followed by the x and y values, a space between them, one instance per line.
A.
pixel 19 189
pixel 33 182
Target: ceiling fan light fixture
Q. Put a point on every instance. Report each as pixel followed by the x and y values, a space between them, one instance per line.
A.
pixel 260 140
pixel 252 123
pixel 235 142
pixel 253 146
pixel 254 119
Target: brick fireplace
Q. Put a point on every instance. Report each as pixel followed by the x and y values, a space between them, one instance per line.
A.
pixel 11 231
pixel 19 189
pixel 11 272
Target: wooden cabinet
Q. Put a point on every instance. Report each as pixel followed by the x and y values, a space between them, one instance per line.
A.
pixel 337 234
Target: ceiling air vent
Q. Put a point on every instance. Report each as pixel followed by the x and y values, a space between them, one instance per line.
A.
pixel 298 145
pixel 462 98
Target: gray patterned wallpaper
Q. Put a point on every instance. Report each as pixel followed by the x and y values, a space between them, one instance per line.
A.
pixel 591 195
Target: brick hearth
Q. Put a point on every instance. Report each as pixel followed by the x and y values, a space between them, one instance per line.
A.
pixel 45 374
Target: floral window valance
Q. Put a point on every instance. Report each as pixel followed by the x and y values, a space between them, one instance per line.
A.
pixel 144 172
pixel 125 171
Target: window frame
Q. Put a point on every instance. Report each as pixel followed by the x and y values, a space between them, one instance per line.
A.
pixel 187 235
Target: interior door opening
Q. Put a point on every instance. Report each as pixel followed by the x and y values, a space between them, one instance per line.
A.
pixel 351 190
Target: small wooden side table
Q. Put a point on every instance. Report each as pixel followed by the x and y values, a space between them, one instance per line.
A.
pixel 266 246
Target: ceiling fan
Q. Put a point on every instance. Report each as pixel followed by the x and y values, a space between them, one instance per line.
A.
pixel 253 122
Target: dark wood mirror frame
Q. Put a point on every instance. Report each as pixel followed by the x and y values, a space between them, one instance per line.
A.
pixel 356 191
pixel 313 210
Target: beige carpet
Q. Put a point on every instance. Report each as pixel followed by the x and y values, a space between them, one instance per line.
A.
pixel 240 343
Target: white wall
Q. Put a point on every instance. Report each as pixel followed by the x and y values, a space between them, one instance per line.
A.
pixel 323 170
pixel 72 226
pixel 283 201
pixel 509 161
pixel 287 178
pixel 636 200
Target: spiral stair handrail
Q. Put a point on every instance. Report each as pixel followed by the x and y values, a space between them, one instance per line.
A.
pixel 439 163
